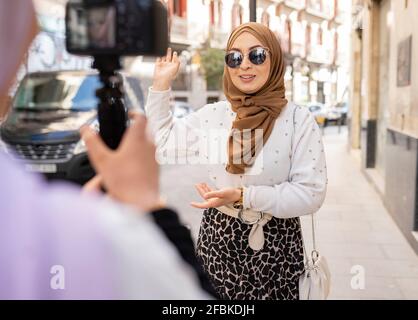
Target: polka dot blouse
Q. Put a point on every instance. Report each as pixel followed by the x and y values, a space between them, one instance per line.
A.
pixel 288 178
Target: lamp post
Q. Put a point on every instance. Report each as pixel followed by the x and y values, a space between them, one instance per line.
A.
pixel 253 10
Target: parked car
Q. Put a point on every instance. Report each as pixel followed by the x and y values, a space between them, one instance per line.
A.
pixel 319 112
pixel 180 109
pixel 341 109
pixel 48 109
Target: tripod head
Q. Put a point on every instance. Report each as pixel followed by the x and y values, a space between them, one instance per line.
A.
pixel 112 114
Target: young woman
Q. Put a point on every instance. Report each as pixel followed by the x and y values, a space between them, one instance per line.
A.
pixel 250 240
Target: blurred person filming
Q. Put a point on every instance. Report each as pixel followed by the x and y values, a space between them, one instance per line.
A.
pixel 56 243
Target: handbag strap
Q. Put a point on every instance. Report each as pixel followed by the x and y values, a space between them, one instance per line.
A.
pixel 314 253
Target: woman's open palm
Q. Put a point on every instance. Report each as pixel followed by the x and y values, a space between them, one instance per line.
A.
pixel 215 198
pixel 166 68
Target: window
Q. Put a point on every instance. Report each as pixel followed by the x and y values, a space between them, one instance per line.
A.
pixel 215 12
pixel 237 12
pixel 178 8
pixel 320 36
pixel 265 18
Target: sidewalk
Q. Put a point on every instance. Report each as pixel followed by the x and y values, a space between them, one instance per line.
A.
pixel 353 228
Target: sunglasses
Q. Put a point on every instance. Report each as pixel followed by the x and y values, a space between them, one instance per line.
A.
pixel 257 56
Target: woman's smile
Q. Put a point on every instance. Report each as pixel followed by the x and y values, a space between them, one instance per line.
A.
pixel 246 78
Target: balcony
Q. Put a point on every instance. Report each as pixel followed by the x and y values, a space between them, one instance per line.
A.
pixel 318 11
pixel 340 16
pixel 295 4
pixel 288 6
pixel 218 37
pixel 298 49
pixel 320 54
pixel 340 58
pixel 178 29
pixel 284 43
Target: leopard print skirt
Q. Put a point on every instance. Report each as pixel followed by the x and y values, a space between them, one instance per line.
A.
pixel 238 272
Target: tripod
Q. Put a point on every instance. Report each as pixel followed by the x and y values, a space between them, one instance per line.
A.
pixel 112 114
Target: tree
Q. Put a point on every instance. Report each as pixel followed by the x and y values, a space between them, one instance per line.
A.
pixel 212 63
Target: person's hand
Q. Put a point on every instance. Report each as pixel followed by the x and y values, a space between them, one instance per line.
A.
pixel 165 71
pixel 94 185
pixel 130 174
pixel 215 198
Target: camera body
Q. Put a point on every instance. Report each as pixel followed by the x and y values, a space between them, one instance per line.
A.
pixel 116 27
pixel 109 30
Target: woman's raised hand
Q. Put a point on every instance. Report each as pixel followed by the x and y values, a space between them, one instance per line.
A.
pixel 166 69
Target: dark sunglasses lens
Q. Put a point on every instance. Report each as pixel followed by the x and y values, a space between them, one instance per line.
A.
pixel 233 59
pixel 258 56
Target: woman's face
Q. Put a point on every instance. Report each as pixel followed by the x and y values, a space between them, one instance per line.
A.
pixel 248 77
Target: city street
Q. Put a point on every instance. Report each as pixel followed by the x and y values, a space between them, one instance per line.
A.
pixel 354 231
pixel 72 72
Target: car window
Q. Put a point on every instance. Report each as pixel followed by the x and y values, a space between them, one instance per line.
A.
pixel 134 96
pixel 86 99
pixel 314 108
pixel 57 91
pixel 45 92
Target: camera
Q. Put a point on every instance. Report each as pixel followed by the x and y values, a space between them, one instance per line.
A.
pixel 108 30
pixel 116 27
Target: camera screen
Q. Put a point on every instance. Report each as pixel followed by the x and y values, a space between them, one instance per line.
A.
pixel 93 27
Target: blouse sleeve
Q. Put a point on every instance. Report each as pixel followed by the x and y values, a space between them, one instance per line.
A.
pixel 174 138
pixel 304 192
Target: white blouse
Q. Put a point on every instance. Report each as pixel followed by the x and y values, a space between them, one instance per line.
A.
pixel 288 178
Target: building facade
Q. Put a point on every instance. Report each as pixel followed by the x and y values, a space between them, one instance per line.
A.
pixel 314 37
pixel 312 33
pixel 384 96
pixel 48 51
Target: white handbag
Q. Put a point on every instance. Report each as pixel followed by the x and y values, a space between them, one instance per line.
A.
pixel 315 282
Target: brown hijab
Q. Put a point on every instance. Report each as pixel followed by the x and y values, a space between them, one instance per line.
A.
pixel 258 110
